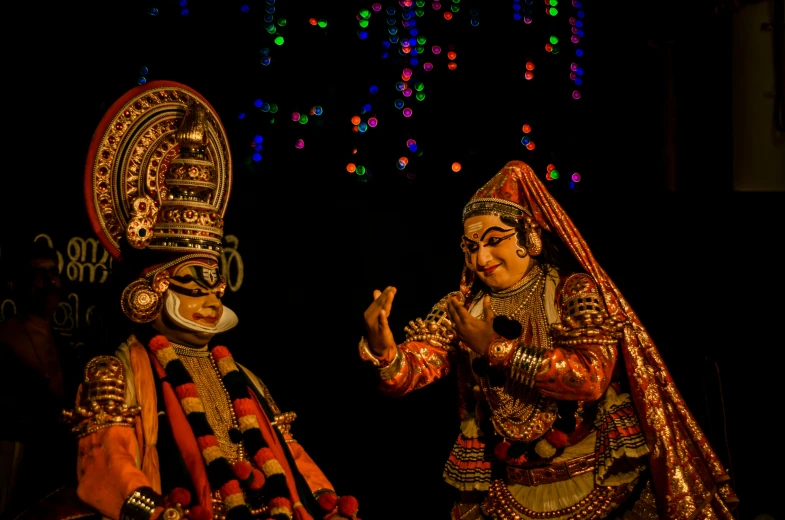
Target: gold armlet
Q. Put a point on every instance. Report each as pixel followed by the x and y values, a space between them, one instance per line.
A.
pixel 283 421
pixel 436 329
pixel 600 329
pixel 103 399
pixel 586 320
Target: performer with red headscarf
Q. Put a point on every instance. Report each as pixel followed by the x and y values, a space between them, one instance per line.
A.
pixel 567 410
pixel 171 426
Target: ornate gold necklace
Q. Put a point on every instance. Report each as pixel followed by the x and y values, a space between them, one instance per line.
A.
pixel 217 405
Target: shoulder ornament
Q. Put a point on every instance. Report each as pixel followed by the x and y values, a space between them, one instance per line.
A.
pixel 102 401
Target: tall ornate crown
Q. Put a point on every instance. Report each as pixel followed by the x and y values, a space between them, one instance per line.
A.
pixel 159 172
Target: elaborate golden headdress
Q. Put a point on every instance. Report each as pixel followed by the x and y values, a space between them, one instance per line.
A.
pixel 157 179
pixel 159 172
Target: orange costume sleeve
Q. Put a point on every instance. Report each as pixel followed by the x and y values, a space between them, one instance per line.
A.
pixel 107 469
pixel 310 471
pixel 110 463
pixel 415 364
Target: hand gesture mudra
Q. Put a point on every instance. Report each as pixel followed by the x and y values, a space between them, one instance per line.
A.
pixel 475 333
pixel 380 337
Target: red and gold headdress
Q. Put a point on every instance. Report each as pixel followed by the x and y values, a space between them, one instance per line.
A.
pixel 688 475
pixel 157 183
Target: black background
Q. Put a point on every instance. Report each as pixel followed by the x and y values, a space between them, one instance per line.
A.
pixel 696 263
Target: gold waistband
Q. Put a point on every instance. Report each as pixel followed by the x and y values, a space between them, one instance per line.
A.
pixel 550 474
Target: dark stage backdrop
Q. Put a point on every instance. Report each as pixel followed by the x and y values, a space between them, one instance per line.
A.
pixel 308 240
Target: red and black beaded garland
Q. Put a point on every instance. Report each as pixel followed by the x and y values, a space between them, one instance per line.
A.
pixel 224 476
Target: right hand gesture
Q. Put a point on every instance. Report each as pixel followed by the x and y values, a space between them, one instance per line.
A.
pixel 380 337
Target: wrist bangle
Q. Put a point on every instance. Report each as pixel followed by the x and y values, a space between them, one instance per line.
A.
pixel 390 371
pixel 141 504
pixel 367 355
pixel 525 364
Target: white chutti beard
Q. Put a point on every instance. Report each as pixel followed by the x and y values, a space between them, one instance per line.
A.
pixel 228 318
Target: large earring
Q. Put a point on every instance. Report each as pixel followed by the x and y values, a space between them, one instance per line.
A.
pixel 521 252
pixel 142 301
pixel 533 240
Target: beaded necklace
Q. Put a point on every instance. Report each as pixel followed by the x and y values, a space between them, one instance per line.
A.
pixel 515 407
pixel 227 478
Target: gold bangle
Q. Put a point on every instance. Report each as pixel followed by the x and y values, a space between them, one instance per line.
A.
pixel 366 354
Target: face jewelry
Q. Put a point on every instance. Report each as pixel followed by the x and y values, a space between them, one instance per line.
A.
pixel 521 252
pixel 140 302
pixel 533 240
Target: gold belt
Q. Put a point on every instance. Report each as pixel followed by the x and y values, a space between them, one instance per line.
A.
pixel 550 474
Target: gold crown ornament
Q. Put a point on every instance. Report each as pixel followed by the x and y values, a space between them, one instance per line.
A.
pixel 159 173
pixel 157 179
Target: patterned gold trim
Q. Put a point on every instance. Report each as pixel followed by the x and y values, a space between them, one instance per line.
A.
pixel 138 153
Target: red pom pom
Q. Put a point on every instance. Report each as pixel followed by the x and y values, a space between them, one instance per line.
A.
pixel 158 342
pixel 327 501
pixel 199 513
pixel 179 496
pixel 500 451
pixel 347 506
pixel 262 456
pixel 243 469
pixel 280 502
pixel 231 488
pixel 258 480
pixel 557 438
pixel 243 406
pixel 220 352
pixel 206 441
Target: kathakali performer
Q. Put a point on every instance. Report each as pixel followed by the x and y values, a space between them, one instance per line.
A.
pixel 171 426
pixel 567 409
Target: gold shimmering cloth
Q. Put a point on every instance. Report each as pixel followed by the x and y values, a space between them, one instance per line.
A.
pixel 215 399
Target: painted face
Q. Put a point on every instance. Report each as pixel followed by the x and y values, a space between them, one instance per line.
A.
pixel 490 246
pixel 199 288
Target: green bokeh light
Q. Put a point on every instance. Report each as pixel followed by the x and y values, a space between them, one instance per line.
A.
pixel 363 23
pixel 420 96
pixel 322 23
pixel 278 40
pixel 554 40
pixel 282 22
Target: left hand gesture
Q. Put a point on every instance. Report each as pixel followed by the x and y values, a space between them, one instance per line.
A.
pixel 473 332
